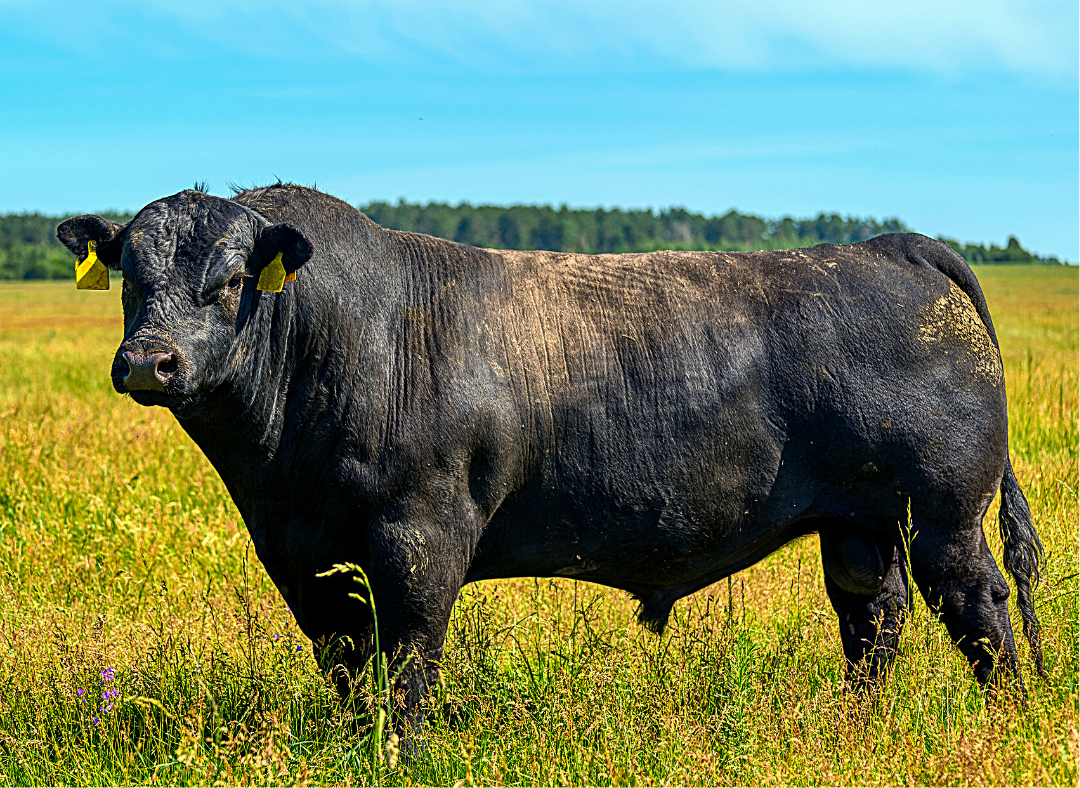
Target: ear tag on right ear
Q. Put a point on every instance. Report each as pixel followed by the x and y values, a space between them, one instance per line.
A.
pixel 91 273
pixel 272 278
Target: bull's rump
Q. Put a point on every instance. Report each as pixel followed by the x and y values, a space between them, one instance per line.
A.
pixel 682 414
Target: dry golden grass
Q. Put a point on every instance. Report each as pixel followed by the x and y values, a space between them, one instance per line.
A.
pixel 120 551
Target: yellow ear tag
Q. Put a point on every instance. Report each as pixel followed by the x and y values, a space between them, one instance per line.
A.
pixel 91 273
pixel 273 277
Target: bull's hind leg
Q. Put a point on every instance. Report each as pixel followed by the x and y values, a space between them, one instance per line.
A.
pixel 866 579
pixel 960 581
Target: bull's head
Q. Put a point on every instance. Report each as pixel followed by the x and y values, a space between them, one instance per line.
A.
pixel 189 263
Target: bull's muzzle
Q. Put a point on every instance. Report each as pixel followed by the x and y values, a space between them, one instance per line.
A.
pixel 149 371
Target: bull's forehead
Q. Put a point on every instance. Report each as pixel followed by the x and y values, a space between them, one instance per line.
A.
pixel 188 229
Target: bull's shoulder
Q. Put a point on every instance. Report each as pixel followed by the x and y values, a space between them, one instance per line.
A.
pixel 431 245
pixel 440 260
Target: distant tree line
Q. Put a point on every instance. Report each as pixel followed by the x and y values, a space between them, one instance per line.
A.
pixel 600 230
pixel 1013 253
pixel 29 249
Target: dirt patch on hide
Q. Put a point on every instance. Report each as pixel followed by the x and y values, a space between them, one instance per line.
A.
pixel 953 322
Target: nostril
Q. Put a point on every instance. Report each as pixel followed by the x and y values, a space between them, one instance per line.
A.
pixel 149 370
pixel 167 366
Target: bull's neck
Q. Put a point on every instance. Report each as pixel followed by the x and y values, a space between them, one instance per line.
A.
pixel 292 384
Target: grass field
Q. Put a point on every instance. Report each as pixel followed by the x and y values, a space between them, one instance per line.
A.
pixel 142 642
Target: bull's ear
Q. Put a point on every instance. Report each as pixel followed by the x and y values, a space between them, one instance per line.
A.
pixel 77 232
pixel 294 247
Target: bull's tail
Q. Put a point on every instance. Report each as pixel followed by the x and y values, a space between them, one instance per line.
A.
pixel 1023 554
pixel 1023 549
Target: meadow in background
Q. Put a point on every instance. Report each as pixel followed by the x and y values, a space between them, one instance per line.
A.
pixel 142 642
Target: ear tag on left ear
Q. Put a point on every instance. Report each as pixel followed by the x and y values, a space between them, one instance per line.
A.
pixel 91 273
pixel 273 277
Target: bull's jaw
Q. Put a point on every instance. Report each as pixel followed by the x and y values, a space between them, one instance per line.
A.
pixel 183 404
pixel 183 407
pixel 188 410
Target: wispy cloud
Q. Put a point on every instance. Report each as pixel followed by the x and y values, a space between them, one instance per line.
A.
pixel 952 37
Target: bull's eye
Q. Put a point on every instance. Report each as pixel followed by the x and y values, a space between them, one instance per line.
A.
pixel 236 282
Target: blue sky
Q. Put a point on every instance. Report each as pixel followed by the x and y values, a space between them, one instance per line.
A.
pixel 959 117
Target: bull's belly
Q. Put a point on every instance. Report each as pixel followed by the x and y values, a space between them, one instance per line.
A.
pixel 630 554
pixel 673 538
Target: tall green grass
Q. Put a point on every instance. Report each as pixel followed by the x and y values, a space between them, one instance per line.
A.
pixel 142 642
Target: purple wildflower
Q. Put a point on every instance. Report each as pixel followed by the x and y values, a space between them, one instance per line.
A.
pixel 107 694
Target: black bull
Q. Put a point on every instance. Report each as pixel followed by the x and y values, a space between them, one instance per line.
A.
pixel 439 414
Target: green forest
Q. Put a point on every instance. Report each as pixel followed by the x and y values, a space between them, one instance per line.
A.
pixel 29 249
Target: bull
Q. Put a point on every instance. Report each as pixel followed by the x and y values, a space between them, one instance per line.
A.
pixel 439 414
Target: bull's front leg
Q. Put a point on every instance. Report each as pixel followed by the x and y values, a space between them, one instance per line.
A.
pixel 416 569
pixel 406 572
